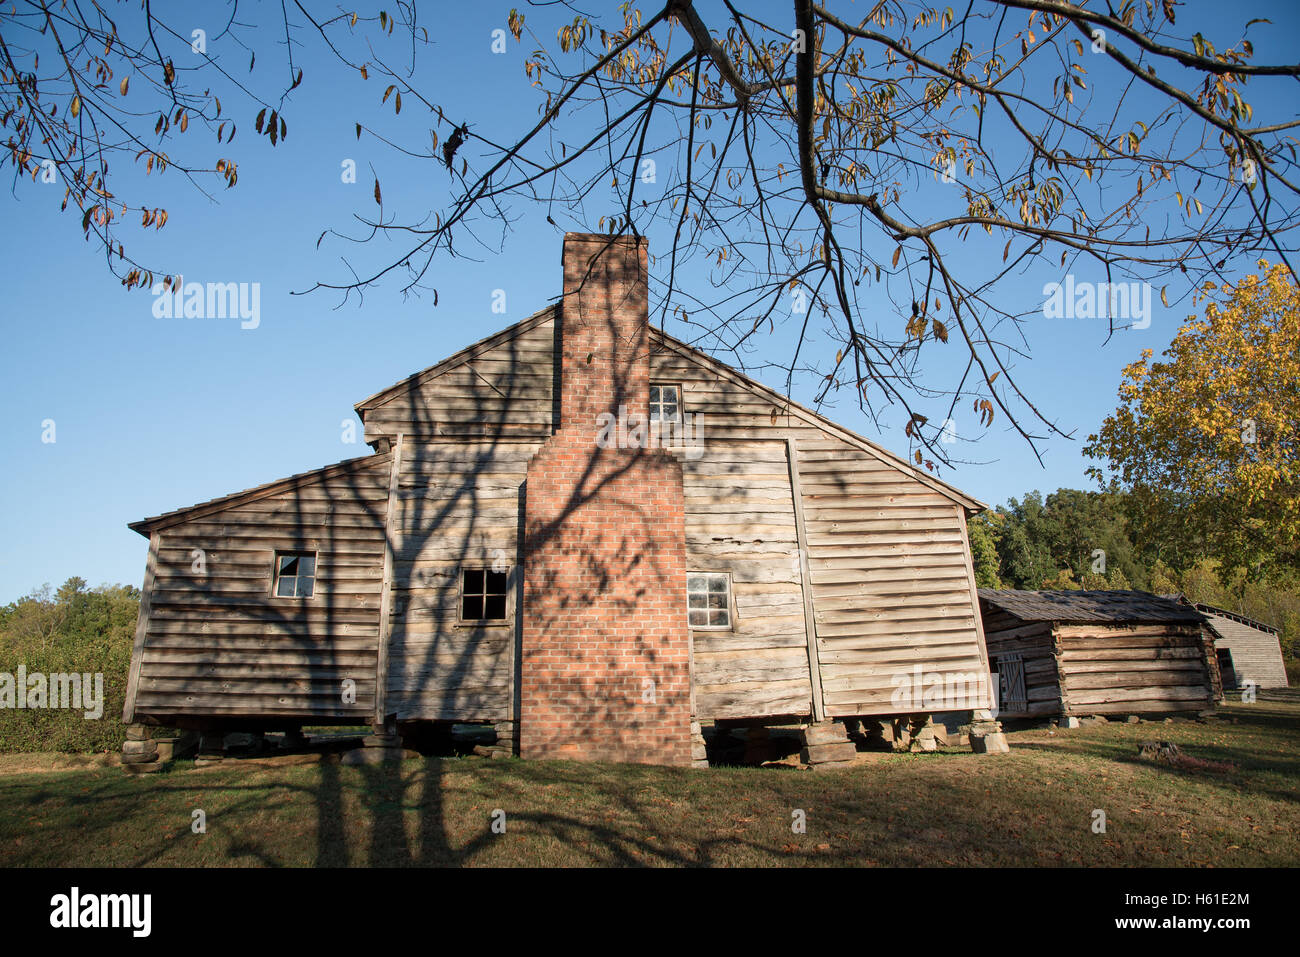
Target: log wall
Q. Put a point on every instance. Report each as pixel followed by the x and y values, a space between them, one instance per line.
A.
pixel 1109 669
pixel 740 521
pixel 891 584
pixel 1035 643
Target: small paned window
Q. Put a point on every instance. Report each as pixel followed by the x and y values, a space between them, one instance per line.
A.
pixel 708 600
pixel 295 574
pixel 483 595
pixel 665 403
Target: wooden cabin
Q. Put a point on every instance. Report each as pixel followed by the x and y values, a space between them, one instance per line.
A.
pixel 1074 653
pixel 1247 650
pixel 581 530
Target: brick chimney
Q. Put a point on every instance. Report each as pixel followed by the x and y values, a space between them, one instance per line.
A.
pixel 605 650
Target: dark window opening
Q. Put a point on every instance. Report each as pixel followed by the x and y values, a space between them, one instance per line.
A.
pixel 483 595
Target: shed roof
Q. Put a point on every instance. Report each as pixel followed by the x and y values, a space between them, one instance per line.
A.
pixel 146 526
pixel 1226 615
pixel 1077 606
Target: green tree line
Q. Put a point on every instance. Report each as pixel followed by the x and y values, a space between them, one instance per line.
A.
pixel 73 629
pixel 1076 539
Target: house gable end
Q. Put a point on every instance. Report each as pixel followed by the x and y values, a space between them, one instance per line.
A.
pixel 790 413
pixel 503 384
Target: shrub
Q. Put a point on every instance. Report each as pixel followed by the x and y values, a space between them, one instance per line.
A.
pixel 76 630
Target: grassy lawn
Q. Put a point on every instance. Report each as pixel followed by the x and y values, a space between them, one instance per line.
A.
pixel 1031 807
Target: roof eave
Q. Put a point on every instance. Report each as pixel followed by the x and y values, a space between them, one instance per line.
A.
pixel 147 526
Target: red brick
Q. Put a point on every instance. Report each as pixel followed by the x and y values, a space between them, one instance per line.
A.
pixel 604 553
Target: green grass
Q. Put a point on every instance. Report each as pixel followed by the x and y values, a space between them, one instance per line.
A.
pixel 1031 807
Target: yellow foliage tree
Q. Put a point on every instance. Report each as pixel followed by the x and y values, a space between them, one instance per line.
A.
pixel 1209 440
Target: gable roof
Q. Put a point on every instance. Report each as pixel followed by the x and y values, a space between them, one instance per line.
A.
pixel 145 526
pixel 657 337
pixel 1115 607
pixel 789 406
pixel 456 359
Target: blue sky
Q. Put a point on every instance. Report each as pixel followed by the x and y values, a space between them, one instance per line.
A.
pixel 153 414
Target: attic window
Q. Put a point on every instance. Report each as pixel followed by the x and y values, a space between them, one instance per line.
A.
pixel 295 574
pixel 483 595
pixel 708 600
pixel 665 403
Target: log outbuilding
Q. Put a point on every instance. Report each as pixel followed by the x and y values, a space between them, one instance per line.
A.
pixel 1073 653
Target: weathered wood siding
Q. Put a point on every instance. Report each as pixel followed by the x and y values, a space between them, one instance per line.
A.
pixel 891 581
pixel 1256 655
pixel 459 505
pixel 217 642
pixel 502 386
pixel 740 521
pixel 1108 669
pixel 1006 634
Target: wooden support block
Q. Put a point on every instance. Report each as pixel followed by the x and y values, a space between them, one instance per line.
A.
pixel 828 753
pixel 825 732
pixel 879 734
pixel 211 748
pixel 507 742
pixel 176 746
